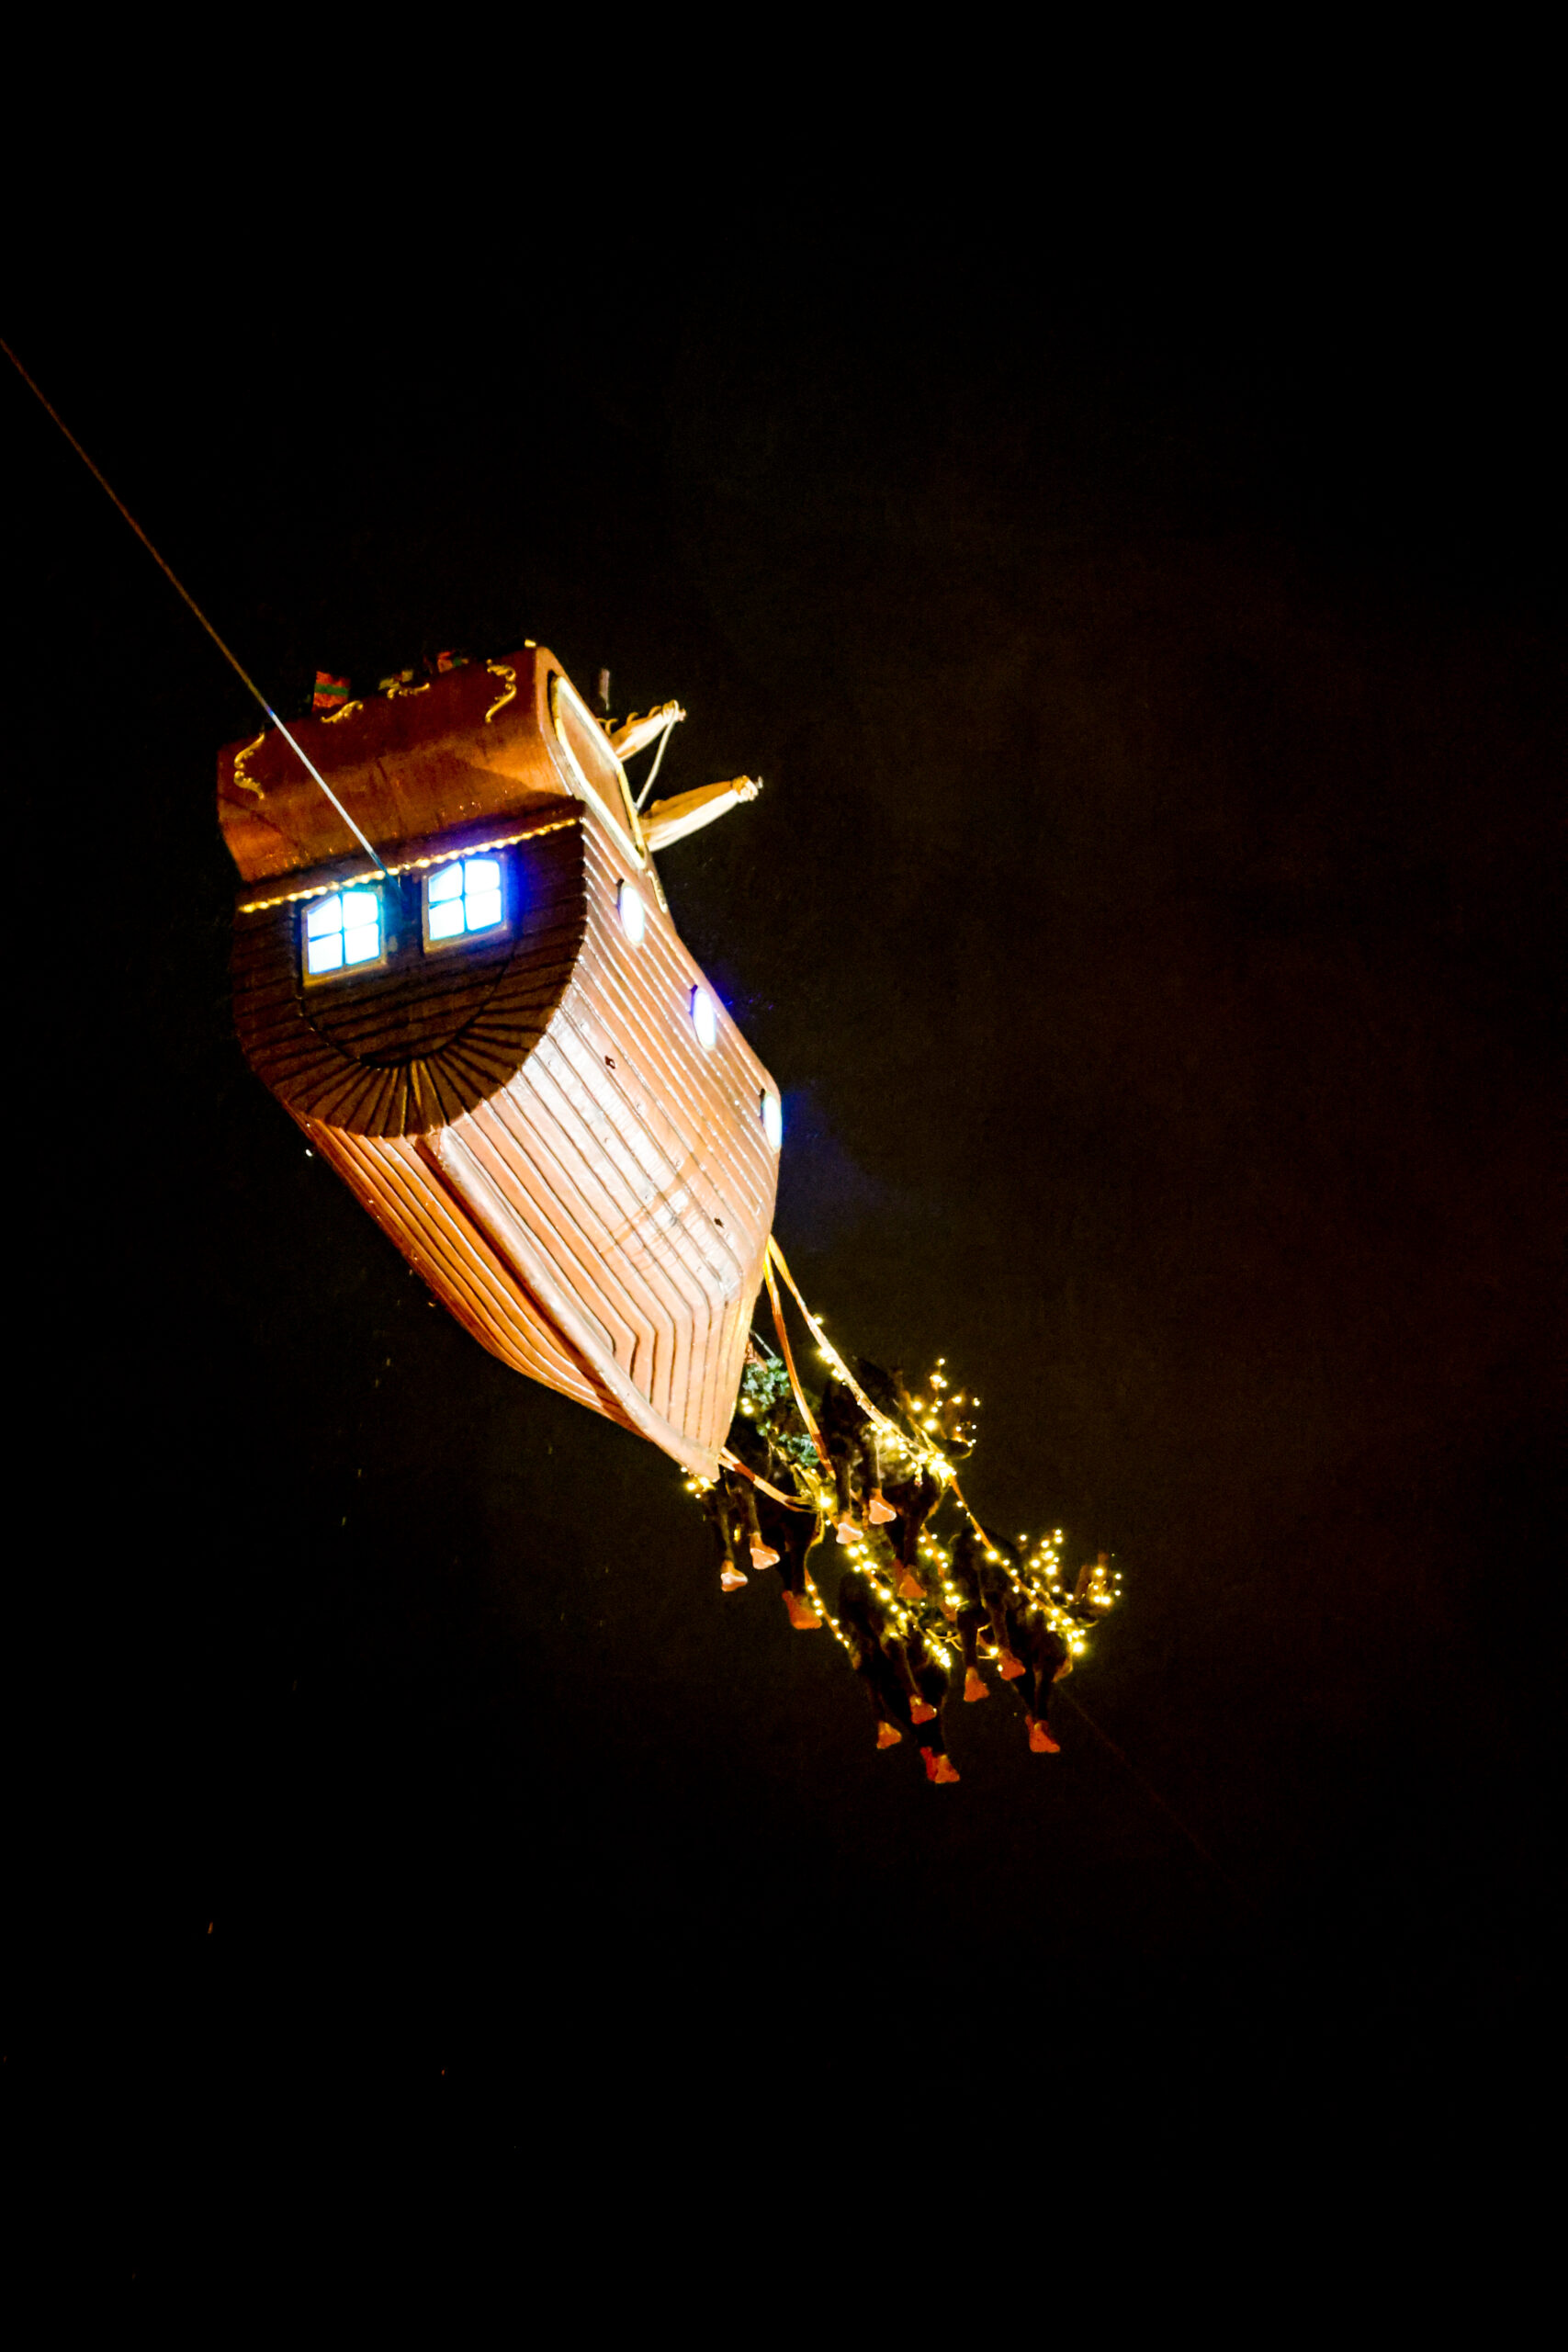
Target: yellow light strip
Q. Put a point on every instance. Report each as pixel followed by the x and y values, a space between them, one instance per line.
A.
pixel 408 866
pixel 1048 1556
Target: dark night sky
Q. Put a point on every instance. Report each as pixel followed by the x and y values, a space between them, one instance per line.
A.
pixel 1149 917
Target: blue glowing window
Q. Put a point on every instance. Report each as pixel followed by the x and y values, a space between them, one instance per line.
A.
pixel 343 934
pixel 465 897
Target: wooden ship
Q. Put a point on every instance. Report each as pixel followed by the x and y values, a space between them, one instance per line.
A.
pixel 492 1030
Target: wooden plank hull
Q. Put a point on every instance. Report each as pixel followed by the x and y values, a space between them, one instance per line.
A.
pixel 586 1187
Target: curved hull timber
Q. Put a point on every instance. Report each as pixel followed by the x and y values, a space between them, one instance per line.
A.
pixel 597 1211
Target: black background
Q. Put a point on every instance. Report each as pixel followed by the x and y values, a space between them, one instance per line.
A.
pixel 1149 919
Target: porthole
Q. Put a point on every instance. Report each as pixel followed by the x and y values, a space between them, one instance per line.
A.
pixel 633 911
pixel 705 1019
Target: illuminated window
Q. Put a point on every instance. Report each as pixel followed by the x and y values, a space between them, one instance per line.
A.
pixel 633 913
pixel 772 1119
pixel 344 933
pixel 465 897
pixel 705 1020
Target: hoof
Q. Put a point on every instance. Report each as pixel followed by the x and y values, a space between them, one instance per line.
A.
pixel 731 1580
pixel 920 1713
pixel 802 1616
pixel 910 1587
pixel 763 1559
pixel 974 1688
pixel 1011 1667
pixel 1040 1741
pixel 888 1735
pixel 880 1512
pixel 847 1532
pixel 946 1771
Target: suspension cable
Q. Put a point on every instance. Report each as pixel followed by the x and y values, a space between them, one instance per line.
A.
pixel 243 674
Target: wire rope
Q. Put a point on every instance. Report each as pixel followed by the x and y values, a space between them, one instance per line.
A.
pixel 658 764
pixel 182 591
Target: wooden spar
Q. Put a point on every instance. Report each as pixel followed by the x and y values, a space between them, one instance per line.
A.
pixel 536 1122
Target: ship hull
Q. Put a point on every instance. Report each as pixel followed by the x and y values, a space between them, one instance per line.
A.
pixel 583 1183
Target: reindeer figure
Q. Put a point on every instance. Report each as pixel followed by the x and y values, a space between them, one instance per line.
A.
pixel 731 1531
pixel 914 1495
pixel 867 1626
pixel 1046 1658
pixel 978 1578
pixel 932 1683
pixel 849 1435
pixel 793 1536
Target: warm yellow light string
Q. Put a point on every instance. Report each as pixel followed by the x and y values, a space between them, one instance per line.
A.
pixel 1031 1587
pixel 901 1437
pixel 1031 1594
pixel 922 1455
pixel 409 864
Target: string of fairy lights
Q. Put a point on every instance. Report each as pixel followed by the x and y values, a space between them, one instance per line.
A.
pixel 920 1603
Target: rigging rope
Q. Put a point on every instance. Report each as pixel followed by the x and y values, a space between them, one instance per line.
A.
pixel 733 1462
pixel 658 764
pixel 239 671
pixel 1169 1811
pixel 922 1453
pixel 775 1257
pixel 804 1409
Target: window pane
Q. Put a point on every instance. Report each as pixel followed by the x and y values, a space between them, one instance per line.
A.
pixel 360 907
pixel 480 873
pixel 323 954
pixel 363 944
pixel 483 910
pixel 447 884
pixel 446 922
pixel 324 916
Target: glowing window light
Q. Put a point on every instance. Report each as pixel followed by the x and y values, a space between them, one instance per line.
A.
pixel 342 931
pixel 629 906
pixel 705 1019
pixel 463 897
pixel 773 1118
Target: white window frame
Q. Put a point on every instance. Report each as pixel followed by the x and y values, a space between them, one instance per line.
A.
pixel 459 940
pixel 343 971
